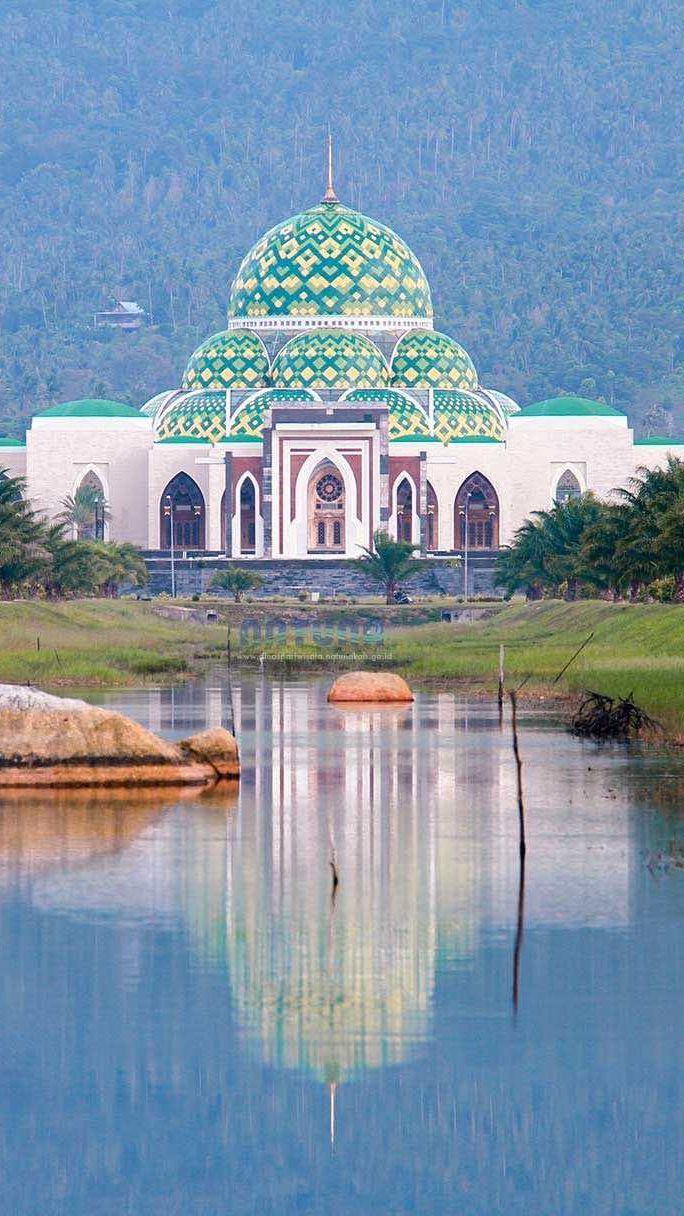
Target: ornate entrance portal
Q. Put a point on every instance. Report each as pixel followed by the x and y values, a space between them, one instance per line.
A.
pixel 326 510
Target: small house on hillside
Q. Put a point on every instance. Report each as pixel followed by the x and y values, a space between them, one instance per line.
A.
pixel 126 315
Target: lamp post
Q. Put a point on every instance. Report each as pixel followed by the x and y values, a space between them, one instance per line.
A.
pixel 99 517
pixel 168 512
pixel 465 551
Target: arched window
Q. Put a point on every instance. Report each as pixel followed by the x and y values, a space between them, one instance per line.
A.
pixel 476 514
pixel 405 510
pixel 88 508
pixel 247 516
pixel 568 487
pixel 432 529
pixel 326 499
pixel 182 507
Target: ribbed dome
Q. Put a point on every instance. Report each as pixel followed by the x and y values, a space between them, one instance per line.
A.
pixel 329 358
pixel 407 419
pixel 152 407
pixel 248 420
pixel 461 416
pixel 425 358
pixel 330 261
pixel 199 415
pixel 234 359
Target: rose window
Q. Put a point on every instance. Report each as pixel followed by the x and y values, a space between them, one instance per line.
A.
pixel 329 488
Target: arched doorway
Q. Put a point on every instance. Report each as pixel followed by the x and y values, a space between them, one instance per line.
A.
pixel 247 513
pixel 326 510
pixel 182 504
pixel 568 487
pixel 405 508
pixel 88 508
pixel 432 522
pixel 476 511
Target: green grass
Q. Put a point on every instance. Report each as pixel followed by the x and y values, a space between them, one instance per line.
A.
pixel 98 642
pixel 636 648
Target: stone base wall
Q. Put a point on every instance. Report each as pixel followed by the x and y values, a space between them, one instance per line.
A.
pixel 334 578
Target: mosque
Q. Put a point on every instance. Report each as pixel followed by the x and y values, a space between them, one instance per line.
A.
pixel 329 407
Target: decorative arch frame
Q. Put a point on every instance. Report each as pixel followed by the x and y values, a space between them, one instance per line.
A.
pixel 324 455
pixel 431 518
pixel 404 475
pixel 98 472
pixel 476 482
pixel 576 472
pixel 201 516
pixel 236 519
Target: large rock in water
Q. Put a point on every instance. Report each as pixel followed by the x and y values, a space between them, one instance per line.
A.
pixel 371 686
pixel 54 741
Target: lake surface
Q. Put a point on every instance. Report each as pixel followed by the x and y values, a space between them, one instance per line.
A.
pixel 191 1024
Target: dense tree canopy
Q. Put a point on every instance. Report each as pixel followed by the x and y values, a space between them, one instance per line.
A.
pixel 530 153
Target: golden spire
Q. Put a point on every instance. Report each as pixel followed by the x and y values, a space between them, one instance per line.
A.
pixel 330 196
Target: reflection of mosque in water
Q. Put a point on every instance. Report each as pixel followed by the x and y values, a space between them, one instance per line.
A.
pixel 417 805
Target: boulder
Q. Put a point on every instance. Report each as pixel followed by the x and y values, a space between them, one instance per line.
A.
pixel 52 741
pixel 215 747
pixel 379 687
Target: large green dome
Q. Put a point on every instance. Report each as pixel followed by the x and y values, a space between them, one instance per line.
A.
pixel 425 358
pixel 235 359
pixel 329 358
pixel 330 261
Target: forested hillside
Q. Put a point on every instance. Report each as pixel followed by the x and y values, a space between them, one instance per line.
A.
pixel 531 154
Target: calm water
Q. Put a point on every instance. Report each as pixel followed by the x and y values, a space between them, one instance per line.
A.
pixel 190 1025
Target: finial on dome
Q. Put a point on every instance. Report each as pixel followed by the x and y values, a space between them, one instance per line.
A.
pixel 330 196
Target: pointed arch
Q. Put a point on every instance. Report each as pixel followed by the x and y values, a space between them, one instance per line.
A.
pixel 246 523
pixel 352 525
pixel 91 505
pixel 476 514
pixel 405 520
pixel 567 486
pixel 182 506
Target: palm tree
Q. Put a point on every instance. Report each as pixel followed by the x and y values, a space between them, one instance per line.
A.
pixel 389 563
pixel 23 555
pixel 80 511
pixel 236 579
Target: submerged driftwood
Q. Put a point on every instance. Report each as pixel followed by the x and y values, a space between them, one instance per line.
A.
pixel 48 741
pixel 601 717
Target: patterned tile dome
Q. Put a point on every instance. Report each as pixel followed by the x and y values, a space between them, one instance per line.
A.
pixel 425 358
pixel 465 416
pixel 506 405
pixel 157 403
pixel 329 358
pixel 248 420
pixel 407 419
pixel 195 415
pixel 234 359
pixel 330 261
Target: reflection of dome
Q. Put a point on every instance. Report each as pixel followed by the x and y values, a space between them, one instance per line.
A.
pixel 427 359
pixel 407 419
pixel 236 359
pixel 465 416
pixel 330 261
pixel 329 358
pixel 199 415
pixel 248 419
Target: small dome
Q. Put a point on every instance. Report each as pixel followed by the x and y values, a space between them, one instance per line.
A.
pixel 657 441
pixel 90 407
pixel 6 442
pixel 425 358
pixel 329 358
pixel 570 407
pixel 330 261
pixel 464 417
pixel 407 419
pixel 248 420
pixel 198 415
pixel 234 359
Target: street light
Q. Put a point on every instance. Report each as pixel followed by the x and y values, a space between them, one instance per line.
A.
pixel 465 550
pixel 168 513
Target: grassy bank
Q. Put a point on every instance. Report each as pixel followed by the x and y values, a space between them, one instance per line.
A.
pixel 635 648
pixel 98 643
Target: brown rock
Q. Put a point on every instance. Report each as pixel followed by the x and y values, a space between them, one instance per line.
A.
pixel 370 686
pixel 215 747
